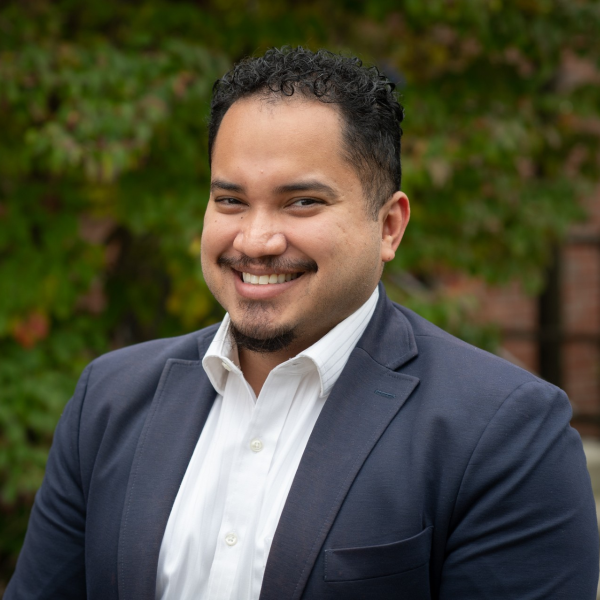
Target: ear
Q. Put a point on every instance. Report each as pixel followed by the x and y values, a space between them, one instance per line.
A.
pixel 393 218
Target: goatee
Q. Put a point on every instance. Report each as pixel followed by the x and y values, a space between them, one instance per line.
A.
pixel 274 343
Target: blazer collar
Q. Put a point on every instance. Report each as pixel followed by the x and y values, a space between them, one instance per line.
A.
pixel 388 339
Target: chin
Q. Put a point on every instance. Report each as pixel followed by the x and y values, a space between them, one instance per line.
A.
pixel 262 339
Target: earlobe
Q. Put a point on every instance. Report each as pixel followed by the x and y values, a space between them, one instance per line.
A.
pixel 394 216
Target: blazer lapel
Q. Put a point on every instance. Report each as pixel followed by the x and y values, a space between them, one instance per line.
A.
pixel 361 405
pixel 177 415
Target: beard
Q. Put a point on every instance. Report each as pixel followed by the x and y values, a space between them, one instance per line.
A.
pixel 255 333
pixel 250 340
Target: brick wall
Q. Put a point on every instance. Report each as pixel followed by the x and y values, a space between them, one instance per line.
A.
pixel 518 317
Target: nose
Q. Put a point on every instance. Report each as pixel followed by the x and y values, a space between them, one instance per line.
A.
pixel 260 236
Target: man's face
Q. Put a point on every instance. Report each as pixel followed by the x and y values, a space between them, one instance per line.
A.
pixel 286 208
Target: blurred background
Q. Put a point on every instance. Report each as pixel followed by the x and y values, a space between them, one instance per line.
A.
pixel 104 180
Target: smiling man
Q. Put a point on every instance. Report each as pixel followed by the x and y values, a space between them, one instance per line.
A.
pixel 321 442
pixel 291 247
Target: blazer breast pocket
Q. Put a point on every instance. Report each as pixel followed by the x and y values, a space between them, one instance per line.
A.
pixel 396 570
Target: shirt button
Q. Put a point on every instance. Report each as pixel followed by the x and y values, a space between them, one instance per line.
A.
pixel 256 445
pixel 231 539
pixel 226 366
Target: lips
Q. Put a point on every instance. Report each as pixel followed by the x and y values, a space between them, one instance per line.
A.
pixel 271 278
pixel 266 277
pixel 251 287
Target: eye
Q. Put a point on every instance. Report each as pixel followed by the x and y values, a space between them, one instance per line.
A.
pixel 307 202
pixel 228 201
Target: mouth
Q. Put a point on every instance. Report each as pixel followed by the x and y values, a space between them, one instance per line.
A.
pixel 264 286
pixel 267 278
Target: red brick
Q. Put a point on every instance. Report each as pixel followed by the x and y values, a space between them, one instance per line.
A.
pixel 521 352
pixel 590 225
pixel 581 289
pixel 509 308
pixel 581 370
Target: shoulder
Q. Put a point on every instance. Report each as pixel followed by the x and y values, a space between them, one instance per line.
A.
pixel 125 380
pixel 458 381
pixel 455 359
pixel 117 390
pixel 148 357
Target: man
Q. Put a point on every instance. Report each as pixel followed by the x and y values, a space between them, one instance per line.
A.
pixel 321 442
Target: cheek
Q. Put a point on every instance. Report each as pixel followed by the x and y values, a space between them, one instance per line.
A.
pixel 340 241
pixel 319 237
pixel 211 247
pixel 217 236
pixel 315 243
pixel 335 245
pixel 355 248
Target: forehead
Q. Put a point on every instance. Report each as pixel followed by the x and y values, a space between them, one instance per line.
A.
pixel 286 111
pixel 276 129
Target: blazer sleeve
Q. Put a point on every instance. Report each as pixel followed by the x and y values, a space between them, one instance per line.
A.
pixel 51 562
pixel 524 524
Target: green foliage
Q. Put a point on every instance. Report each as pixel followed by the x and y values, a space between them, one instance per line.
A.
pixel 103 183
pixel 104 173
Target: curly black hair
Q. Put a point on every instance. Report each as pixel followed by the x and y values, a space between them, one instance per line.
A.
pixel 364 96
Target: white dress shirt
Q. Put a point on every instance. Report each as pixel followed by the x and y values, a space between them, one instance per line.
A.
pixel 224 517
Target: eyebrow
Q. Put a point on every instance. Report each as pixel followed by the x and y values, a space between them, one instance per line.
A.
pixel 220 184
pixel 309 185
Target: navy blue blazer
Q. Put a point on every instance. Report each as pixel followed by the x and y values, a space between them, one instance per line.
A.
pixel 435 470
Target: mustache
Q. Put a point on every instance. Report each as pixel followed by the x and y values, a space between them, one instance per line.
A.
pixel 275 264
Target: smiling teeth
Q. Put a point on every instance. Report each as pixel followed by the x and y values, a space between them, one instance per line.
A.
pixel 266 279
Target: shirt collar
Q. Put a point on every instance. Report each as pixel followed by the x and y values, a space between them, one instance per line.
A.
pixel 221 358
pixel 329 355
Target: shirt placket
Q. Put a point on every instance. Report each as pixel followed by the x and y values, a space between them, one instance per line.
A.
pixel 247 481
